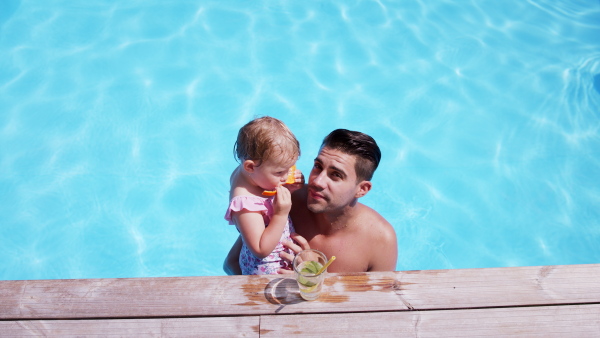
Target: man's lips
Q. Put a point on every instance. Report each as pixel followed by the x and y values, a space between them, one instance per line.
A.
pixel 315 195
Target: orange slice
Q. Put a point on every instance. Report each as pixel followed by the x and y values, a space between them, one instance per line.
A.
pixel 290 180
pixel 291 176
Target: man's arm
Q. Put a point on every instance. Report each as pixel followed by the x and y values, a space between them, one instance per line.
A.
pixel 231 265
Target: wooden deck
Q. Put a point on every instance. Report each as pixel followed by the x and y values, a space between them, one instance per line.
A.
pixel 546 301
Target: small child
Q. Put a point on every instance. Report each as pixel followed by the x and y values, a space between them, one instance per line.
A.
pixel 266 150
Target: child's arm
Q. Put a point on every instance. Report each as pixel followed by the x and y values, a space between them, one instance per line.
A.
pixel 259 239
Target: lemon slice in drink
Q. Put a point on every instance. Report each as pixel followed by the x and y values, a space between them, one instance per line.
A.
pixel 310 289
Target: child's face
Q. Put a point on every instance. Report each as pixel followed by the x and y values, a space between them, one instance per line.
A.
pixel 271 174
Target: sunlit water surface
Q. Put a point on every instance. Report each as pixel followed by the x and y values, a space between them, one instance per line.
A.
pixel 117 123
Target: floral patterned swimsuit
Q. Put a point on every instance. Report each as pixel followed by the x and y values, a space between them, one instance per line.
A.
pixel 250 264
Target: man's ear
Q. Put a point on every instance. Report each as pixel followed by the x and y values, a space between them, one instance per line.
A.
pixel 363 188
pixel 249 166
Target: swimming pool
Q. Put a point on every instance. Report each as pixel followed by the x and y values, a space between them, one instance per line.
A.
pixel 117 123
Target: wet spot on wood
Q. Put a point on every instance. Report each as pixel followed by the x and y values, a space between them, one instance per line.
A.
pixel 546 270
pixel 247 304
pixel 333 298
pixel 254 291
pixel 364 283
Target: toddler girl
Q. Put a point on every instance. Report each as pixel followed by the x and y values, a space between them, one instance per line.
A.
pixel 266 150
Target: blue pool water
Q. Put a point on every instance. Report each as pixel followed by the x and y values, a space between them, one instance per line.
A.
pixel 117 123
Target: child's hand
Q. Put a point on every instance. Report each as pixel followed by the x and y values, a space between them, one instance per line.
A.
pixel 282 203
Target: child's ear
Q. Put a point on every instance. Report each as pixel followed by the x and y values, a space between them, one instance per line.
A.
pixel 249 166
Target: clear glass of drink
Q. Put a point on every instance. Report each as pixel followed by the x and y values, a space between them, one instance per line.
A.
pixel 307 264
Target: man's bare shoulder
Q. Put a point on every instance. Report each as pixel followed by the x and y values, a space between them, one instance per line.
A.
pixel 380 231
pixel 376 221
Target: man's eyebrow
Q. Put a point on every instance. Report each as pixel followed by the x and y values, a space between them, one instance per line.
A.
pixel 341 171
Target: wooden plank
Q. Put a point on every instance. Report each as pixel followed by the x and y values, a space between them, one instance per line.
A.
pixel 256 295
pixel 128 298
pixel 547 321
pixel 247 326
pixel 186 297
pixel 496 287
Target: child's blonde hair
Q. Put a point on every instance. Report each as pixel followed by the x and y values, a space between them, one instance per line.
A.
pixel 263 138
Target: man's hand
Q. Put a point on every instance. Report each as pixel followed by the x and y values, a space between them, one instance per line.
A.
pixel 298 183
pixel 297 244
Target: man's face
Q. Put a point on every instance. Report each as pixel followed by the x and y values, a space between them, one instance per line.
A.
pixel 332 182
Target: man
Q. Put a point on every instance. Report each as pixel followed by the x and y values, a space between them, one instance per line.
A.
pixel 326 212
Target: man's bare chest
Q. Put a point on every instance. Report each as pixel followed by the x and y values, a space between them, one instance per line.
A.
pixel 349 257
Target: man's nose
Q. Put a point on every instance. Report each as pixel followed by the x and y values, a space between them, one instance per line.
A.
pixel 319 180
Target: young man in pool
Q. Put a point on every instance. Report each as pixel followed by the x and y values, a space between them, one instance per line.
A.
pixel 328 216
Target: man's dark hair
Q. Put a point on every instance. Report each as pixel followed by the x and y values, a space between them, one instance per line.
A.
pixel 358 144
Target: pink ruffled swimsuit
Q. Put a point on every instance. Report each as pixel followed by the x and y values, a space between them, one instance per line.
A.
pixel 250 264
